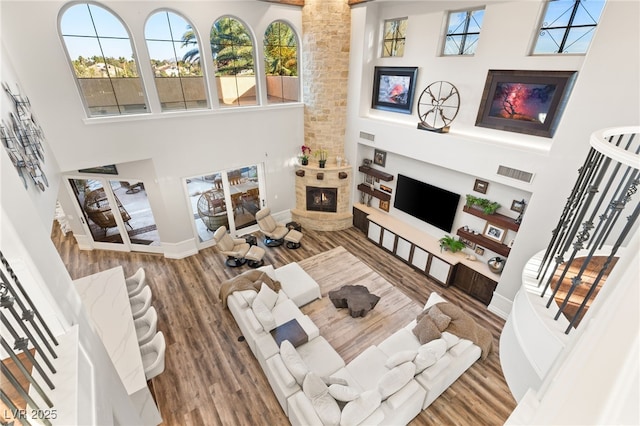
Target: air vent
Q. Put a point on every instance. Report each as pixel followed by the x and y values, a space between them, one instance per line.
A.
pixel 515 174
pixel 367 136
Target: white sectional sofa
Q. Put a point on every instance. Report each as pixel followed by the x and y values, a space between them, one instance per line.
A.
pixel 388 383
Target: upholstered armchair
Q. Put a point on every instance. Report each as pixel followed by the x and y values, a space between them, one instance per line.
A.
pixel 273 232
pixel 234 248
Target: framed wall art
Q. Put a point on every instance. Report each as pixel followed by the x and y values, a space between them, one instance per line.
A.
pixel 494 232
pixel 384 205
pixel 380 157
pixel 528 102
pixel 394 88
pixel 106 170
pixel 481 186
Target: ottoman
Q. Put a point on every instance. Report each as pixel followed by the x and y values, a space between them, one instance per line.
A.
pixel 254 256
pixel 293 238
pixel 297 284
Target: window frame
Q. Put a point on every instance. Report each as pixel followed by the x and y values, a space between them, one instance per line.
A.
pixel 464 34
pixel 541 28
pixel 203 61
pixel 264 58
pixel 394 40
pixel 121 107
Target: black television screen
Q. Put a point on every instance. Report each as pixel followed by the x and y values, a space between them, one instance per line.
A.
pixel 429 203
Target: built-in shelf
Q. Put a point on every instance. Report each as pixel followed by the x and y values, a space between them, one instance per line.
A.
pixel 375 192
pixel 485 242
pixel 376 173
pixel 495 218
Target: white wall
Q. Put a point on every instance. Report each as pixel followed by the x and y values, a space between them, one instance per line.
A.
pixel 607 76
pixel 178 144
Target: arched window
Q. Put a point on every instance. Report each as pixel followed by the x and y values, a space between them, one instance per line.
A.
pixel 281 63
pixel 232 50
pixel 174 51
pixel 100 52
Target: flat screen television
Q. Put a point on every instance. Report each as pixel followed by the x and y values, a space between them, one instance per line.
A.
pixel 431 204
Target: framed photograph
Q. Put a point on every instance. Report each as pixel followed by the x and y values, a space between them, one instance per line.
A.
pixel 481 186
pixel 380 157
pixel 494 232
pixel 368 179
pixel 479 251
pixel 517 206
pixel 528 102
pixel 105 170
pixel 386 189
pixel 384 205
pixel 468 243
pixel 393 88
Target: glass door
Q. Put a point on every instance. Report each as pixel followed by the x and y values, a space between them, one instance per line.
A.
pixel 229 198
pixel 117 214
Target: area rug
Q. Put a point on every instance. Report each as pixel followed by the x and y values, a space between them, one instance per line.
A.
pixel 350 336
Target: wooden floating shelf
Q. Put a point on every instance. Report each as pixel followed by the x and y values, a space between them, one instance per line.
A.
pixel 485 242
pixel 376 173
pixel 496 218
pixel 376 193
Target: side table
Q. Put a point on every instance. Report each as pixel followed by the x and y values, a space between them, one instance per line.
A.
pixel 294 225
pixel 250 239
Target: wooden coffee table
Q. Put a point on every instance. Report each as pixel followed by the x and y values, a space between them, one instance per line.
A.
pixel 291 331
pixel 354 297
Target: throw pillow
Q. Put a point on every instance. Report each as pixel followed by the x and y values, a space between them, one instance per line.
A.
pixel 424 360
pixel 293 361
pixel 437 346
pixel 400 358
pixel 360 408
pixel 248 296
pixel 441 320
pixel 394 379
pixel 331 380
pixel 264 315
pixel 326 407
pixel 426 330
pixel 267 296
pixel 343 393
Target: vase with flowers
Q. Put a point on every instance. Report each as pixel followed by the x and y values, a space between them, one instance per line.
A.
pixel 304 158
pixel 322 155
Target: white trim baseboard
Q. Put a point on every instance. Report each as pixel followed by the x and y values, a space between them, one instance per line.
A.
pixel 500 305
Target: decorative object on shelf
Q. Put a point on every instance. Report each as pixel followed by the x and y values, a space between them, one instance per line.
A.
pixel 481 186
pixel 471 257
pixel 393 88
pixel 342 175
pixel 384 205
pixel 339 161
pixel 528 102
pixel 487 206
pixel 320 176
pixel 304 158
pixel 468 243
pixel 322 155
pixel 368 179
pixel 369 198
pixel 479 251
pixel 300 173
pixel 519 206
pixel 496 264
pixel 366 162
pixel 451 244
pixel 386 189
pixel 494 232
pixel 438 105
pixel 380 157
pixel 23 140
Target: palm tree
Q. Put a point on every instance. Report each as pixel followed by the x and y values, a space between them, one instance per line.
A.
pixel 281 53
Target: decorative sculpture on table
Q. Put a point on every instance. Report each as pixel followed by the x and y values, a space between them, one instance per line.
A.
pixel 23 140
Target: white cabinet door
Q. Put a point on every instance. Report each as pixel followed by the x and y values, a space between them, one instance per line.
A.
pixel 403 250
pixel 374 232
pixel 388 240
pixel 439 269
pixel 419 259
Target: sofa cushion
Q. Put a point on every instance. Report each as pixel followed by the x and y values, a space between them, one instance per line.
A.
pixel 269 270
pixel 360 408
pixel 432 372
pixel 426 330
pixel 283 372
pixel 424 360
pixel 400 358
pixel 460 347
pixel 267 296
pixel 326 407
pixel 264 315
pixel 395 379
pixel 451 339
pixel 343 393
pixel 293 361
pixel 438 347
pixel 333 380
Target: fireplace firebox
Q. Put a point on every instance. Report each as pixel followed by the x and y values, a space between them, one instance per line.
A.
pixel 322 199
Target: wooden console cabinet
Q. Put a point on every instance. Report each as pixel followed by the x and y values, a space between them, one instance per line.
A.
pixel 422 252
pixel 474 283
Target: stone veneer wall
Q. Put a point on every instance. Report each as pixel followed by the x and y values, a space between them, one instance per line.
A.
pixel 326 28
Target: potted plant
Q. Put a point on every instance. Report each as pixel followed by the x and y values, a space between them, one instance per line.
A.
pixel 487 206
pixel 321 154
pixel 450 243
pixel 304 158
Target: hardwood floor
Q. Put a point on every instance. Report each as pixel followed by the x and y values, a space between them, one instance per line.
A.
pixel 212 378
